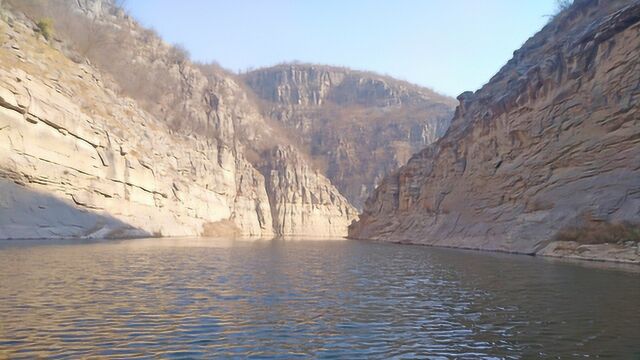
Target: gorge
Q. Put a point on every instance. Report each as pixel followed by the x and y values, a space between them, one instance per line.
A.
pixel 117 134
pixel 155 206
pixel 97 145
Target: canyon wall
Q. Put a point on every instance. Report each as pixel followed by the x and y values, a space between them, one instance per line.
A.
pixel 550 144
pixel 146 144
pixel 356 126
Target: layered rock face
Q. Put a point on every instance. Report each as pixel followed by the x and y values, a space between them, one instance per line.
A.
pixel 305 200
pixel 80 159
pixel 356 126
pixel 66 137
pixel 551 142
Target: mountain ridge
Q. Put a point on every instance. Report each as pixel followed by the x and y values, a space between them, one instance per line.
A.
pixel 361 125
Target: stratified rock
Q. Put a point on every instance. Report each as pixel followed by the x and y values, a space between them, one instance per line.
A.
pixel 73 140
pixel 302 201
pixel 172 159
pixel 552 141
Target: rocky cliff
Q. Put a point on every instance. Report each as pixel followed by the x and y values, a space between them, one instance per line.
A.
pixel 550 146
pixel 307 204
pixel 138 141
pixel 357 126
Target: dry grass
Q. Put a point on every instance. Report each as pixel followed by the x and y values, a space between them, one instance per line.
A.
pixel 601 232
pixel 142 65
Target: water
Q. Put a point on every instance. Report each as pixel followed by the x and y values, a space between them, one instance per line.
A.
pixel 185 298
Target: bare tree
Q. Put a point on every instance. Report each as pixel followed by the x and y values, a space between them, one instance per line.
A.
pixel 562 5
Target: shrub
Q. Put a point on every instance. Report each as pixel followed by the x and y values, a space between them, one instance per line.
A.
pixel 601 232
pixel 562 5
pixel 178 54
pixel 45 25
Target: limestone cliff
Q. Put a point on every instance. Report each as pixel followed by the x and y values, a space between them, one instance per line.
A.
pixel 357 126
pixel 551 143
pixel 305 201
pixel 139 142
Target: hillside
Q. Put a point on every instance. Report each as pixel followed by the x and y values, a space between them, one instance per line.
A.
pixel 106 131
pixel 357 126
pixel 544 159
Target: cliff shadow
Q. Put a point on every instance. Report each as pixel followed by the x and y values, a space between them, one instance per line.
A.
pixel 31 214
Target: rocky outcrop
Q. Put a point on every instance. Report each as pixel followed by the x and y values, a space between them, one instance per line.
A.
pixel 303 202
pixel 552 141
pixel 78 158
pixel 356 126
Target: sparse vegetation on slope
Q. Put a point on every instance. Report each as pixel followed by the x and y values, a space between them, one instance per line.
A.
pixel 601 232
pixel 45 26
pixel 358 126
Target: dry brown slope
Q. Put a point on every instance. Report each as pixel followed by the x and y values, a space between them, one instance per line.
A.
pixel 358 126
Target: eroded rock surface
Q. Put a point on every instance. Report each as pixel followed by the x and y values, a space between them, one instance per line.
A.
pixel 357 126
pixel 553 140
pixel 302 201
pixel 64 135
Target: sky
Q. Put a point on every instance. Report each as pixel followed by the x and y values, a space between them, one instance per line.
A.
pixel 450 46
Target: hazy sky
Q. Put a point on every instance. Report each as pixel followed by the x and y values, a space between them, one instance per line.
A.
pixel 448 45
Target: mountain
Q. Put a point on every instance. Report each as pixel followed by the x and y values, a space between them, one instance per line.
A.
pixel 543 159
pixel 356 126
pixel 106 131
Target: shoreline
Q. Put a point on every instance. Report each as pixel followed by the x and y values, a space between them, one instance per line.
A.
pixel 549 254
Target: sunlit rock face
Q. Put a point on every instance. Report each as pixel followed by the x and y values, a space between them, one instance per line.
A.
pixel 552 141
pixel 303 202
pixel 64 135
pixel 143 144
pixel 356 126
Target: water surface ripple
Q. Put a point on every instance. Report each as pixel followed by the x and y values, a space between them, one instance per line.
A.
pixel 191 298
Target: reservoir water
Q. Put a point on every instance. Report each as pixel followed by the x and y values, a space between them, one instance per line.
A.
pixel 204 298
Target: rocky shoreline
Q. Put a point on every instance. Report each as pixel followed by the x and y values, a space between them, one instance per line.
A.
pixel 626 254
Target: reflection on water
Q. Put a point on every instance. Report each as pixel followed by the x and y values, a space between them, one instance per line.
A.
pixel 205 297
